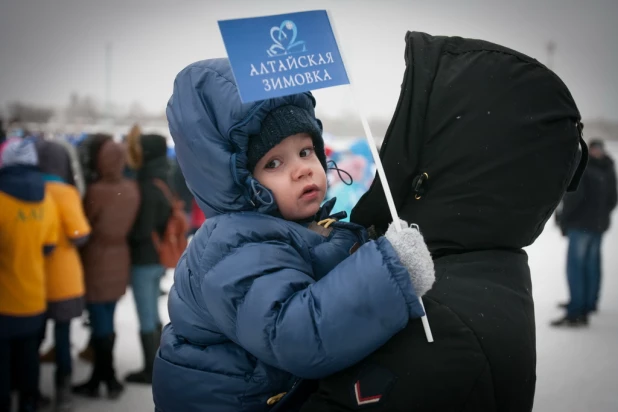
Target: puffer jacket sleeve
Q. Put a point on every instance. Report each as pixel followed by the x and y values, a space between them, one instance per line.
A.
pixel 264 299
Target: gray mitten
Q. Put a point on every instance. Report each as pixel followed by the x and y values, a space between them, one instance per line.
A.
pixel 413 254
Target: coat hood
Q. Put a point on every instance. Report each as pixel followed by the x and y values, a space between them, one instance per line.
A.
pixel 481 148
pixel 153 146
pixel 18 152
pixel 23 182
pixel 54 160
pixel 157 168
pixel 211 128
pixel 111 161
pixel 19 173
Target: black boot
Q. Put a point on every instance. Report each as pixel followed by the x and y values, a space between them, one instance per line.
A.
pixel 114 388
pixel 87 355
pixel 570 322
pixel 149 347
pixel 42 401
pixel 90 388
pixel 64 399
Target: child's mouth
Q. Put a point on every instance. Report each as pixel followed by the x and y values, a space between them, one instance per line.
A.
pixel 310 192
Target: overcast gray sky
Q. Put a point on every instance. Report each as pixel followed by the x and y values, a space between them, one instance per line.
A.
pixel 50 48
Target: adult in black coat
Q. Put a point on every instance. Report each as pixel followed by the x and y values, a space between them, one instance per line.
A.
pixel 584 218
pixel 481 149
pixel 148 153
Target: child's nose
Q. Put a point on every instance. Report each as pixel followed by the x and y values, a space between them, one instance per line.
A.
pixel 302 170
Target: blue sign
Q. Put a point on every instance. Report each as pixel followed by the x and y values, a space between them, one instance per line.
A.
pixel 285 54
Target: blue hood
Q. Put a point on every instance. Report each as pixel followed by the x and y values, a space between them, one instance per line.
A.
pixel 211 128
pixel 22 182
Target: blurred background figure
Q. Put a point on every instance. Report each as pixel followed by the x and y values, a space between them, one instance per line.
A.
pixel 350 175
pixel 28 231
pixel 14 129
pixel 111 206
pixel 63 268
pixel 76 167
pixel 87 150
pixel 181 191
pixel 148 156
pixel 179 187
pixel 197 217
pixel 584 218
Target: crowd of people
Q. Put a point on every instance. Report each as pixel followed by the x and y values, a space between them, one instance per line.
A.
pixel 78 225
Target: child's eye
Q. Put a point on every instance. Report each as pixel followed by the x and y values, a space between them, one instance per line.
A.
pixel 273 164
pixel 306 152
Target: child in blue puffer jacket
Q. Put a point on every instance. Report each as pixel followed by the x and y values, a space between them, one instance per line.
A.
pixel 270 290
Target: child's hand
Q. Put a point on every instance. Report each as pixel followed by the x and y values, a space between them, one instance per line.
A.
pixel 413 254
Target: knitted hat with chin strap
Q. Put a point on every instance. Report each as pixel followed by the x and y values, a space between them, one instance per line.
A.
pixel 282 122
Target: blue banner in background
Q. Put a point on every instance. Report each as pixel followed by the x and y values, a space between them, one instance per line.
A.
pixel 284 54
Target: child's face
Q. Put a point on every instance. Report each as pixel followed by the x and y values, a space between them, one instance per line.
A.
pixel 295 176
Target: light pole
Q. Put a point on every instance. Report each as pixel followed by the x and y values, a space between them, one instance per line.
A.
pixel 108 80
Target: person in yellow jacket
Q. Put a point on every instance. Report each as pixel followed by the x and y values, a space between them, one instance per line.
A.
pixel 28 230
pixel 65 275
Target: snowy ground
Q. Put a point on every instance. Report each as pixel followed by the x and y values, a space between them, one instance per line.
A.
pixel 577 369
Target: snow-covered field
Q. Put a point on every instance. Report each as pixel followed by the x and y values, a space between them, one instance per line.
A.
pixel 577 369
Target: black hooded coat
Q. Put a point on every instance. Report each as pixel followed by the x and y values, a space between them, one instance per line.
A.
pixel 481 149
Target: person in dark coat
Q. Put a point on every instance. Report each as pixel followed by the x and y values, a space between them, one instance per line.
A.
pixel 111 206
pixel 584 218
pixel 479 152
pixel 148 153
